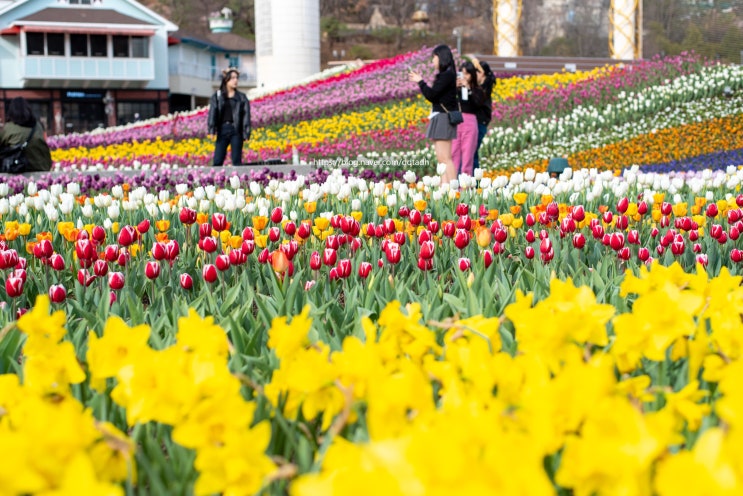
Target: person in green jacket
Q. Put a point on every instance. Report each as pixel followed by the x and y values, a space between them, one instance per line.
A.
pixel 20 121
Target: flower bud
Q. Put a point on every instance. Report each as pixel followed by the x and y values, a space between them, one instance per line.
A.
pixel 57 293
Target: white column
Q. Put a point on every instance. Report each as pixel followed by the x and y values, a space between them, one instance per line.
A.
pixel 625 18
pixel 506 17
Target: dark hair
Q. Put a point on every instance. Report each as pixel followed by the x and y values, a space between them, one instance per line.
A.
pixel 446 59
pixel 20 113
pixel 226 77
pixel 486 68
pixel 469 67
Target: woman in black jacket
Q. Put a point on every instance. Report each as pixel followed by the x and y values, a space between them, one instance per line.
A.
pixel 486 80
pixel 443 98
pixel 229 118
pixel 23 126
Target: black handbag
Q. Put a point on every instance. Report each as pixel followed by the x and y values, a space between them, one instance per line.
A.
pixel 13 159
pixel 455 116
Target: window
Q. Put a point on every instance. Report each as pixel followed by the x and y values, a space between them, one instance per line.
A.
pixel 127 112
pixel 79 45
pixel 98 46
pixel 79 2
pixel 140 48
pixel 35 43
pixel 121 46
pixel 55 44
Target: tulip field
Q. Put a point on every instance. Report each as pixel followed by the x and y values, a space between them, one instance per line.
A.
pixel 173 329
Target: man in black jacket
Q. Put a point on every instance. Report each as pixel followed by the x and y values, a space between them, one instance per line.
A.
pixel 229 118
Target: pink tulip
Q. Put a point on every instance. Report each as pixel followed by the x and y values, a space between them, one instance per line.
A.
pixel 57 293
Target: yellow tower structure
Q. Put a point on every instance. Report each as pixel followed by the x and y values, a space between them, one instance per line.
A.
pixel 625 29
pixel 506 17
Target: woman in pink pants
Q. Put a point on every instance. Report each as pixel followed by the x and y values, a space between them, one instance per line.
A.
pixel 464 147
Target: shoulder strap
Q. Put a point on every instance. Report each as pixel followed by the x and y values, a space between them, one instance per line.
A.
pixel 25 143
pixel 442 106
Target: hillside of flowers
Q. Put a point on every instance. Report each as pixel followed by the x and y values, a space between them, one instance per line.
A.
pixel 173 329
pixel 623 114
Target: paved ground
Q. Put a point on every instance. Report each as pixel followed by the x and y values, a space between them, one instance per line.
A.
pixel 300 169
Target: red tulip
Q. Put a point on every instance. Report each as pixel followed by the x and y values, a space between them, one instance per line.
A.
pixel 449 229
pixel 332 242
pixel 115 280
pixel 622 222
pixel 209 273
pixel 187 216
pixel 660 250
pixel 723 238
pixel 553 211
pixel 622 205
pixel 186 281
pixel 487 258
pixel 578 213
pixel 85 249
pixel 355 244
pixel 124 257
pixel 579 241
pixel 334 274
pixel 208 244
pixel 393 253
pixel 655 231
pixel 290 228
pixel 547 256
pixel 127 236
pixel 57 293
pixel 624 253
pixel 712 210
pixel 264 256
pixel 643 254
pixel 665 221
pixel 380 231
pixel 703 259
pixel 529 252
pixel 415 217
pixel 633 237
pixel 158 251
pixel 399 238
pixel 172 250
pixel 219 221
pixel 371 230
pixel 315 261
pixel 112 298
pixel 666 208
pixel 530 237
pixel 152 270
pixel 22 263
pixel 44 248
pixel 274 233
pixel 464 222
pixel 85 278
pixel 545 245
pixel 205 230
pixel 248 246
pixel 607 217
pixel 365 269
pixel 248 234
pixel 616 241
pixel 344 267
pixel 100 268
pixel 427 249
pixel 111 253
pixel 697 248
pixel 530 219
pixel 309 284
pixel 734 215
pixel 277 215
pixel 98 234
pixel 329 256
pixel 433 226
pixel 461 239
pixel 222 262
pixel 425 264
pixel 237 257
pixel 390 226
pixel 736 255
pixel 143 226
pixel 427 217
pixel 425 235
pixel 500 235
pixel 82 234
pixel 403 211
pixel 464 263
pixel 14 286
pixel 693 235
pixel 304 230
pixel 733 233
pixel 463 209
pixel 642 208
pixel 57 262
